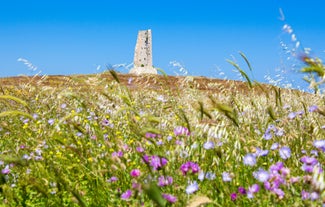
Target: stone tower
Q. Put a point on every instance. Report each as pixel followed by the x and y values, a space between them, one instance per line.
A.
pixel 143 54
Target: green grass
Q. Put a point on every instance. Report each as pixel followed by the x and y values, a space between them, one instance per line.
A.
pixel 65 146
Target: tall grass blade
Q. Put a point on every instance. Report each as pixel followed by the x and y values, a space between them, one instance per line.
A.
pixel 271 113
pixel 278 98
pixel 203 111
pixel 228 112
pixel 114 75
pixel 17 100
pixel 244 75
pixel 185 119
pixel 162 72
pixel 313 66
pixel 15 113
pixel 246 60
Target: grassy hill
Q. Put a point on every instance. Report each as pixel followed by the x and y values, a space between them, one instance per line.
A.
pixel 122 140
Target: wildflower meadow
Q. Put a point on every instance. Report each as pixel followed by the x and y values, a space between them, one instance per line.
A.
pixel 119 140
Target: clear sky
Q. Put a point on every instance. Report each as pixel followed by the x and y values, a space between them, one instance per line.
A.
pixel 84 36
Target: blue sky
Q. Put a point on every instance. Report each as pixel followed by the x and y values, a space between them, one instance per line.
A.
pixel 81 37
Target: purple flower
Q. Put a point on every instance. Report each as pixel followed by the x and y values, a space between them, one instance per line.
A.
pixel 146 159
pixel 169 138
pixel 140 149
pixel 268 132
pixel 159 142
pixel 135 173
pixel 308 163
pixel 242 190
pixel 136 186
pixel 276 167
pixel 314 196
pixel 130 81
pixel 252 190
pixel 105 122
pixel 117 154
pixel 267 135
pixel 274 146
pixel 112 179
pixel 194 167
pixel 305 195
pixel 164 181
pixel 314 152
pixel 161 98
pixel 201 175
pixel 313 108
pixel 169 198
pixel 259 152
pixel 292 115
pixel 233 196
pixel 157 162
pixel 261 175
pixel 319 144
pixel 50 121
pixel 185 168
pixel 279 132
pixel 300 113
pixel 285 171
pixel 208 145
pixel 126 195
pixel 210 176
pixel 180 130
pixel 279 192
pixel 6 170
pixel 193 187
pixel 294 179
pixel 178 142
pixel 151 135
pixel 249 159
pixel 285 152
pixel 226 177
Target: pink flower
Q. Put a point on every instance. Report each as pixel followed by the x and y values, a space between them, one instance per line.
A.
pixel 194 167
pixel 135 173
pixel 169 198
pixel 126 195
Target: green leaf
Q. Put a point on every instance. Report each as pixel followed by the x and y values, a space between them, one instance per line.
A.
pixel 154 193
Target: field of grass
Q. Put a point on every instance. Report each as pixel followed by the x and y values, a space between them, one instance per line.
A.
pixel 120 140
